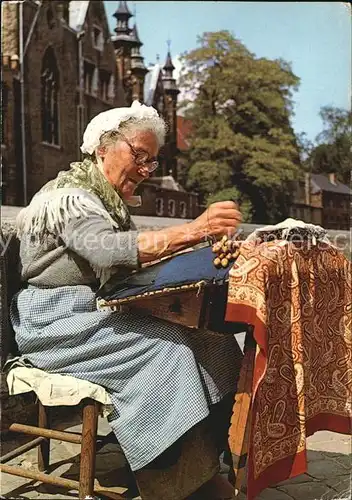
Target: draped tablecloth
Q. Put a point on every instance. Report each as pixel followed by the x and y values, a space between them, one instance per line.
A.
pixel 298 297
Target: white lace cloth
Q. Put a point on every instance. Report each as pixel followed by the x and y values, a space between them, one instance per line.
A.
pixel 55 390
pixel 290 227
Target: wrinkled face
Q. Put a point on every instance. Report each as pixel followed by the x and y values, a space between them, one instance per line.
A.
pixel 119 161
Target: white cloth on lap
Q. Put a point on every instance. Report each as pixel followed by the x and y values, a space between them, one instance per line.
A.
pixel 53 389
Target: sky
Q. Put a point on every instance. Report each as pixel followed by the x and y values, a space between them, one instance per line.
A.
pixel 315 37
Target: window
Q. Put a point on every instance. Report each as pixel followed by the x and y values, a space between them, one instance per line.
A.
pixel 160 105
pixel 344 204
pixel 111 89
pixel 50 17
pixel 183 209
pixel 98 38
pixel 88 76
pixel 95 83
pixel 171 208
pixel 159 206
pixel 122 25
pixel 104 82
pixel 81 125
pixel 50 98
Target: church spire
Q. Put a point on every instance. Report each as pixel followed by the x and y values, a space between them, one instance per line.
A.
pixel 123 9
pixel 122 16
pixel 168 79
pixel 171 92
pixel 137 66
pixel 135 36
pixel 136 57
pixel 168 66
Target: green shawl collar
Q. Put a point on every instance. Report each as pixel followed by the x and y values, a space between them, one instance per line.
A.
pixel 87 176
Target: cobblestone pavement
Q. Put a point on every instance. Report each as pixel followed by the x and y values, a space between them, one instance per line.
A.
pixel 328 477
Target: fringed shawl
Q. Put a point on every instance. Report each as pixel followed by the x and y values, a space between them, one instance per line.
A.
pixel 66 198
pixel 78 192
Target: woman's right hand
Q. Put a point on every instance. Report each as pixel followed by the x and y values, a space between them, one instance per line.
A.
pixel 222 217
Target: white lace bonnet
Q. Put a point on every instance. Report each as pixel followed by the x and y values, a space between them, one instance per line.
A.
pixel 111 120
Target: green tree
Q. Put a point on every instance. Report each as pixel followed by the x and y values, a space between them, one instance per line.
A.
pixel 333 154
pixel 240 108
pixel 305 147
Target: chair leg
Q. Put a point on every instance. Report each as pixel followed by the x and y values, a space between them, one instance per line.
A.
pixel 241 417
pixel 44 447
pixel 88 448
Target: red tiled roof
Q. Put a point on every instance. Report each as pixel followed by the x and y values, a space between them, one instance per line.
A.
pixel 184 128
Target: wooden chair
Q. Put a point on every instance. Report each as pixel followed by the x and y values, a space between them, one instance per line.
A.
pixel 87 441
pixel 242 412
pixel 91 409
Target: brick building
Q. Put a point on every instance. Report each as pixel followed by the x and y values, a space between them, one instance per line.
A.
pixel 60 67
pixel 322 200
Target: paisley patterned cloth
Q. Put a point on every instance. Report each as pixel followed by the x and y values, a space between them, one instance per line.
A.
pixel 298 297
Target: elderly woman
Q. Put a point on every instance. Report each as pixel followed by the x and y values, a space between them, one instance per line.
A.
pixel 164 380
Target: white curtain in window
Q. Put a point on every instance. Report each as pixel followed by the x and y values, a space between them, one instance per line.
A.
pixel 95 83
pixel 111 88
pixel 159 206
pixel 172 208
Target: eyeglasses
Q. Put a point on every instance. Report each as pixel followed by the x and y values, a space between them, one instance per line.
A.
pixel 141 157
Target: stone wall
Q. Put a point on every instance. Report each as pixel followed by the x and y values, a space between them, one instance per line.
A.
pixel 9 28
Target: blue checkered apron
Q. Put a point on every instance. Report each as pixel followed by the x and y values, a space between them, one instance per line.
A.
pixel 161 377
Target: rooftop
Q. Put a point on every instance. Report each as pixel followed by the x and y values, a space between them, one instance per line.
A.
pixel 135 36
pixel 322 182
pixel 122 9
pixel 150 83
pixel 77 13
pixel 166 182
pixel 168 62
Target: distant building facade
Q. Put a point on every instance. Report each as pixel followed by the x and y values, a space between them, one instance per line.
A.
pixel 165 197
pixel 322 200
pixel 60 71
pixel 60 67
